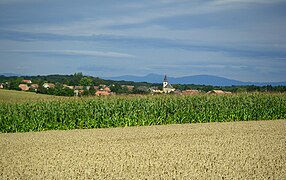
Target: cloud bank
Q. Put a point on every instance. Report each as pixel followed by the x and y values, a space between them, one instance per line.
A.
pixel 239 39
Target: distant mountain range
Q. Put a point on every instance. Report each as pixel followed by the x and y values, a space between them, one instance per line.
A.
pixel 9 74
pixel 197 79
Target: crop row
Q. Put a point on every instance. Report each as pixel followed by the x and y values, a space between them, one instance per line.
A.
pixel 139 111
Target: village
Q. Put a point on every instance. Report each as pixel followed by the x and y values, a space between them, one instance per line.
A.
pixel 107 90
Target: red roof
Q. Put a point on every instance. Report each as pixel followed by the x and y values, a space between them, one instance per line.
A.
pixel 216 92
pixel 107 89
pixel 78 87
pixel 27 81
pixel 189 92
pixel 103 93
pixel 23 87
pixel 130 87
pixel 34 86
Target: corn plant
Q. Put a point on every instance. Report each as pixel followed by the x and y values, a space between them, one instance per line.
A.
pixel 120 111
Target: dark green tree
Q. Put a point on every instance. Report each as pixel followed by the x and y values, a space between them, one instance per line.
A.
pixel 116 88
pixel 86 81
pixel 76 79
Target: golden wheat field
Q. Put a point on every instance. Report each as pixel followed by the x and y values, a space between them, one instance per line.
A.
pixel 236 150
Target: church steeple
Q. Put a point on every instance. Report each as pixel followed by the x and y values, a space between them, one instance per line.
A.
pixel 165 78
pixel 165 82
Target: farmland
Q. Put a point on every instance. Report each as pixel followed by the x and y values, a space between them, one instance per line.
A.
pixel 236 150
pixel 121 111
pixel 185 147
pixel 10 96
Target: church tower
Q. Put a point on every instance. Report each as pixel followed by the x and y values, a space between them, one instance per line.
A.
pixel 167 87
pixel 165 82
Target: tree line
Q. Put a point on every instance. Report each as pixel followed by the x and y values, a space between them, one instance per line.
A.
pixel 118 87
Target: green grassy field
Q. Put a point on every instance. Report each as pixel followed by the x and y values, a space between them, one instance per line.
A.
pixel 11 96
pixel 35 113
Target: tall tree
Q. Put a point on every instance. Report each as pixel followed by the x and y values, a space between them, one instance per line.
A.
pixel 86 81
pixel 76 78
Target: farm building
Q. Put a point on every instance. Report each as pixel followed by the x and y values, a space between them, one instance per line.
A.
pixel 190 92
pixel 69 87
pixel 34 86
pixel 49 85
pixel 27 81
pixel 218 92
pixel 102 93
pixel 24 87
pixel 155 90
pixel 107 89
pixel 78 87
pixel 130 88
pixel 78 92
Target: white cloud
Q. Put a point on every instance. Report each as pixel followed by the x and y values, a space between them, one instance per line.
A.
pixel 189 48
pixel 104 25
pixel 17 1
pixel 235 2
pixel 74 52
pixel 96 53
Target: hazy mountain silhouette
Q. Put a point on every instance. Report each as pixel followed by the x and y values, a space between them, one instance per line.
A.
pixel 10 74
pixel 197 79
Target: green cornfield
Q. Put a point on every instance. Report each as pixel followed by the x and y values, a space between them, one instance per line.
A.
pixel 122 111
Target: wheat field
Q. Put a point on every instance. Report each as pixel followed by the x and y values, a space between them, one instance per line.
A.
pixel 227 150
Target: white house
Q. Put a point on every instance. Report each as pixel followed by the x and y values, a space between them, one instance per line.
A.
pixel 49 85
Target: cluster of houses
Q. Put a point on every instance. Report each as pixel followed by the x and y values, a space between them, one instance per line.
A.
pixel 28 85
pixel 103 90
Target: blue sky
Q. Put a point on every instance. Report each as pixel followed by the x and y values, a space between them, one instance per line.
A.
pixel 239 39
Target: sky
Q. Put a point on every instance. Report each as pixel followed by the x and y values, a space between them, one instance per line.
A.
pixel 237 39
